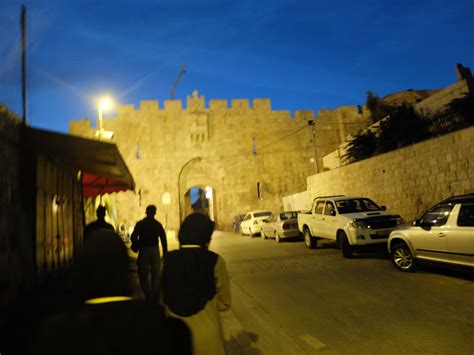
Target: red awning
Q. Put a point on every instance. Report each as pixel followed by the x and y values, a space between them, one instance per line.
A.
pixel 94 185
pixel 103 168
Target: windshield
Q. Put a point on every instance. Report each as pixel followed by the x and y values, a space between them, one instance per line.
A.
pixel 262 214
pixel 356 205
pixel 437 215
pixel 288 215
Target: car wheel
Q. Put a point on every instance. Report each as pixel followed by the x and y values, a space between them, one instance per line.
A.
pixel 402 257
pixel 250 233
pixel 309 240
pixel 263 235
pixel 277 237
pixel 345 246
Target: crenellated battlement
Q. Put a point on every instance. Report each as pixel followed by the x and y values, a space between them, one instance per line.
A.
pixel 149 105
pixel 196 102
pixel 239 104
pixel 215 105
pixel 262 104
pixel 304 115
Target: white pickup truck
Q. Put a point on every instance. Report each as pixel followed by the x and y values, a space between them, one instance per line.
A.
pixel 350 221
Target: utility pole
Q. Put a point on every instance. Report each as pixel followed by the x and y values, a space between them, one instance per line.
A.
pixel 23 61
pixel 181 73
pixel 312 123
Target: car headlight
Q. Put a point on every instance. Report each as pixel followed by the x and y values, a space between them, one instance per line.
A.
pixel 358 224
pixel 400 220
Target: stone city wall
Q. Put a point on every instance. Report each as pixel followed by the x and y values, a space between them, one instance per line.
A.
pixel 438 101
pixel 229 147
pixel 408 180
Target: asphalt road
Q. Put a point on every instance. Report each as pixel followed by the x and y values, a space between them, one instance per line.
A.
pixel 292 300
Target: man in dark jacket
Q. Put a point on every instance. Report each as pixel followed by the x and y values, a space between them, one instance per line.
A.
pixel 100 223
pixel 145 240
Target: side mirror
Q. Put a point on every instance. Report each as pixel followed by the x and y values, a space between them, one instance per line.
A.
pixel 332 212
pixel 423 224
pixel 384 208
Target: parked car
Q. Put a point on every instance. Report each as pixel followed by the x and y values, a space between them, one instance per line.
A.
pixel 445 233
pixel 350 221
pixel 236 222
pixel 253 221
pixel 281 225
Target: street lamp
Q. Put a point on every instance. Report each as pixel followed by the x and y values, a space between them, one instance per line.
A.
pixel 105 103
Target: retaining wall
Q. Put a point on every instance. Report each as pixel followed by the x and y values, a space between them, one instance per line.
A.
pixel 407 181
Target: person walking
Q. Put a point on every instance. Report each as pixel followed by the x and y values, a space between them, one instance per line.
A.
pixel 144 240
pixel 109 321
pixel 196 285
pixel 100 223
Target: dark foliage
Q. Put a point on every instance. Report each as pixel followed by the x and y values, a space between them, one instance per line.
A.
pixel 403 127
pixel 458 114
pixel 377 107
pixel 361 147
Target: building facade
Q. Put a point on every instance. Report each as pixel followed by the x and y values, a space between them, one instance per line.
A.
pixel 247 156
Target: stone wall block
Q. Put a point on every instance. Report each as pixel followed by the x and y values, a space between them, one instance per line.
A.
pixel 125 110
pixel 149 105
pixel 173 105
pixel 262 104
pixel 450 176
pixel 240 104
pixel 449 157
pixel 415 177
pixel 467 186
pixel 215 105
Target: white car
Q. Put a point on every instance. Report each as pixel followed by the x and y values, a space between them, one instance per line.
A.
pixel 281 225
pixel 253 221
pixel 445 234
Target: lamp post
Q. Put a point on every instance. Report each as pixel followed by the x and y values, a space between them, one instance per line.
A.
pixel 104 104
pixel 179 183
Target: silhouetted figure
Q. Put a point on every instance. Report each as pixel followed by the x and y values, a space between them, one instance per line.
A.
pixel 100 223
pixel 110 321
pixel 196 285
pixel 145 240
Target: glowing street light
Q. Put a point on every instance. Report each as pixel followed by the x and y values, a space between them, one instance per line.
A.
pixel 105 104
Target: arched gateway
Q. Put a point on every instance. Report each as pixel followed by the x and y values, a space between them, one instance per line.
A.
pixel 196 173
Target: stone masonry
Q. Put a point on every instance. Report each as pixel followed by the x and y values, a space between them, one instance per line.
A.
pixel 407 181
pixel 232 149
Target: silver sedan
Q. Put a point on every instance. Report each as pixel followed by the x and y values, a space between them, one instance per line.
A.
pixel 281 225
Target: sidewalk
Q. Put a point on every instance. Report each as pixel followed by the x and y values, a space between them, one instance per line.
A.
pixel 237 340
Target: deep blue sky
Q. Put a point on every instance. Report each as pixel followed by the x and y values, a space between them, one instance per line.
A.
pixel 300 54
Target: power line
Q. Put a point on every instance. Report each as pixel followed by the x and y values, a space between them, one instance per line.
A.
pixel 286 136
